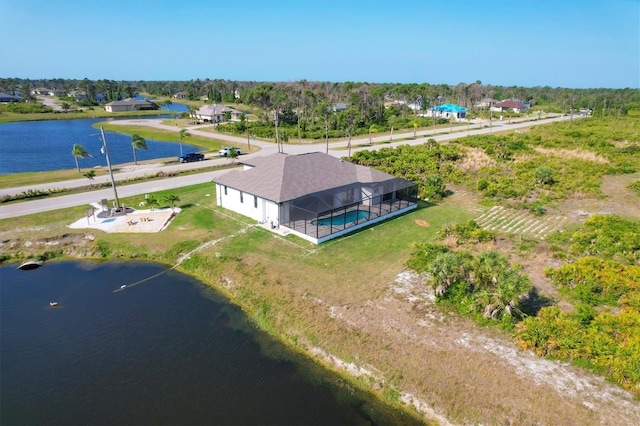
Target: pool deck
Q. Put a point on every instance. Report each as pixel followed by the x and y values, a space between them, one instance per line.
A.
pixel 139 221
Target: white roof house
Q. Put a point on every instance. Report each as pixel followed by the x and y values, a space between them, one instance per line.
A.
pixel 315 196
pixel 215 113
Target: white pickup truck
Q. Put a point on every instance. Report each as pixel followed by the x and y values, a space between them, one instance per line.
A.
pixel 226 151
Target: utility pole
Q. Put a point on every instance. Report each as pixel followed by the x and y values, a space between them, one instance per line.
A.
pixel 113 182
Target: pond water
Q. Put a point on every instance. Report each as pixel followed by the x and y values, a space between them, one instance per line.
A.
pixel 175 107
pixel 166 351
pixel 38 146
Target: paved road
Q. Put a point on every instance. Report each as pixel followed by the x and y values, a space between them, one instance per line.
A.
pixel 38 206
pixel 336 148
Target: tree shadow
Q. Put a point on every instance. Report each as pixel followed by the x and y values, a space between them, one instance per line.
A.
pixel 186 206
pixel 535 302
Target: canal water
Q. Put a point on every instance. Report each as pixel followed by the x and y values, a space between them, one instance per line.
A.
pixel 37 146
pixel 166 351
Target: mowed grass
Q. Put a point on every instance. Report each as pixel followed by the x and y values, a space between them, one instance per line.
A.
pixel 15 180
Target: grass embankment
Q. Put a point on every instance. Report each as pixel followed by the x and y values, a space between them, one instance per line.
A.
pixel 98 112
pixel 208 144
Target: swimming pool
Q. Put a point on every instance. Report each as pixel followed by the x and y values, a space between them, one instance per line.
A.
pixel 342 219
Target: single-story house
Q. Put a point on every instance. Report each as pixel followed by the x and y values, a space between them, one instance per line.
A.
pixel 214 113
pixel 180 95
pixel 314 196
pixel 510 104
pixel 129 104
pixel 6 98
pixel 447 111
pixel 486 103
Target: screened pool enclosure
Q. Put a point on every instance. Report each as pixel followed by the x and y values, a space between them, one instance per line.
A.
pixel 321 216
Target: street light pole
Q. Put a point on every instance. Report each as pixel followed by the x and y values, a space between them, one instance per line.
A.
pixel 113 182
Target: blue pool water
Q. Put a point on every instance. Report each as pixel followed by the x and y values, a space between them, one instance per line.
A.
pixel 342 219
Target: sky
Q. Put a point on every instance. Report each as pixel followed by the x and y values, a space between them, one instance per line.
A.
pixel 565 43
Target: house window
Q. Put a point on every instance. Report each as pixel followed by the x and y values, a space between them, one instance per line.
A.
pixel 241 197
pixel 225 190
pixel 255 202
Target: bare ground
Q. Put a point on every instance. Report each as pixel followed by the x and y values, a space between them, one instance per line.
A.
pixel 469 374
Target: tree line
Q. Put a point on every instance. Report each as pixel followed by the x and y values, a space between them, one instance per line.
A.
pixel 361 95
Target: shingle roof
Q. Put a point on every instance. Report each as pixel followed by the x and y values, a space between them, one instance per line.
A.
pixel 213 109
pixel 282 177
pixel 510 103
pixel 130 101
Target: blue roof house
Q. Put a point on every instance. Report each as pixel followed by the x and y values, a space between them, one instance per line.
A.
pixel 447 111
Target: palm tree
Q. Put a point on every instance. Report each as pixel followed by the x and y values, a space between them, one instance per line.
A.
pixel 182 134
pixel 152 202
pixel 137 142
pixel 500 286
pixel 90 175
pixel 392 122
pixel 78 151
pixel 447 269
pixel 172 199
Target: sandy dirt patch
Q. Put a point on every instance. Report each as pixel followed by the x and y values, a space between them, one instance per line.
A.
pixel 484 365
pixel 423 223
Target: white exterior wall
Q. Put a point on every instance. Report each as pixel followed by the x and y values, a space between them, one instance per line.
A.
pixel 265 210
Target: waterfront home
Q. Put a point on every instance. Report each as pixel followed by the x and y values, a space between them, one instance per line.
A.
pixel 6 98
pixel 215 113
pixel 314 196
pixel 129 104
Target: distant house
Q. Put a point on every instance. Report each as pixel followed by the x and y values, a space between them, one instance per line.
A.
pixel 510 105
pixel 100 98
pixel 78 96
pixel 130 104
pixel 214 113
pixel 40 91
pixel 447 111
pixel 56 92
pixel 339 106
pixel 486 103
pixel 6 98
pixel 179 95
pixel 314 196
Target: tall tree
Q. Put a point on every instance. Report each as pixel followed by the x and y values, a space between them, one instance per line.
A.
pixel 78 151
pixel 324 108
pixel 183 133
pixel 392 120
pixel 137 142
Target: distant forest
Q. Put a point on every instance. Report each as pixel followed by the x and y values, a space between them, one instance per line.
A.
pixel 368 98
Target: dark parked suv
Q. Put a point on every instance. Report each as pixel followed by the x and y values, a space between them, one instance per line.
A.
pixel 194 156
